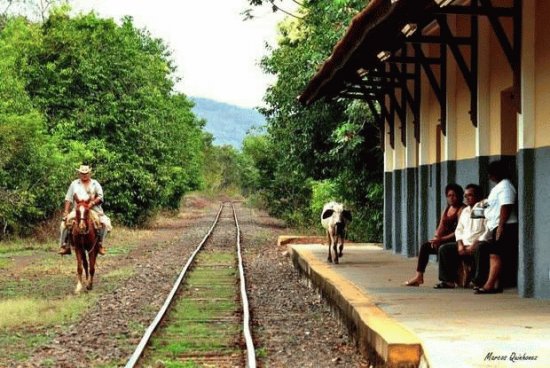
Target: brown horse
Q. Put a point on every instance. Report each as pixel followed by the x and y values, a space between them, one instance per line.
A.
pixel 84 241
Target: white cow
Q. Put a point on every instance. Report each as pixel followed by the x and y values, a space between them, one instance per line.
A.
pixel 334 219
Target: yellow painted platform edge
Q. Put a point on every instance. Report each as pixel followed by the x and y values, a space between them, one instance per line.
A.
pixel 395 344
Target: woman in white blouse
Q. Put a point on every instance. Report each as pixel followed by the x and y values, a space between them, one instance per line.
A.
pixel 502 222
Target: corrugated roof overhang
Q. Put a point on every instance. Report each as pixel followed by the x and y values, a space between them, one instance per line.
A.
pixel 378 27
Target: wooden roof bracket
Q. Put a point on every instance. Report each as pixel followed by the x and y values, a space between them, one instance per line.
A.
pixel 405 95
pixel 511 48
pixel 385 115
pixel 417 96
pixel 398 108
pixel 388 75
pixel 399 78
pixel 470 73
pixel 372 107
pixel 412 100
pixel 439 87
pixel 380 120
pixel 391 122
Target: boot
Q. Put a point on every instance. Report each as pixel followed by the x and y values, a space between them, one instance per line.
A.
pixel 101 235
pixel 101 250
pixel 65 247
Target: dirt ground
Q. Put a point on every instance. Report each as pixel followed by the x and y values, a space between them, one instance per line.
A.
pixel 292 326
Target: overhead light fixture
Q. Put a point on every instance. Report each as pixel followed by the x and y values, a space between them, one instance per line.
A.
pixel 394 1
pixel 361 72
pixel 409 29
pixel 443 3
pixel 383 55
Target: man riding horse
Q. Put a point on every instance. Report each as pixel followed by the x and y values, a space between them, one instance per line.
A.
pixel 83 187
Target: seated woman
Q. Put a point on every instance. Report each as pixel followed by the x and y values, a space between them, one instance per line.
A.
pixel 444 233
pixel 470 233
pixel 502 222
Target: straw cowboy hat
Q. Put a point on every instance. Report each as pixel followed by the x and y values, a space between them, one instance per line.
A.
pixel 84 169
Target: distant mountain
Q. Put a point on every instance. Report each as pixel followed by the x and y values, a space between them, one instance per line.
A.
pixel 227 123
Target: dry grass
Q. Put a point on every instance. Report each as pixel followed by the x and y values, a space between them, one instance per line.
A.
pixel 25 311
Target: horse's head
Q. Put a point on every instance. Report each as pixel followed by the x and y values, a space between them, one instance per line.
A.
pixel 82 208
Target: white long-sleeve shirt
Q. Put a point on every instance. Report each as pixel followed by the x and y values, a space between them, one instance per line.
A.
pixel 471 229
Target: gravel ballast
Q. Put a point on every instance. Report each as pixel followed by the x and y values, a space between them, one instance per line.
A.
pixel 292 326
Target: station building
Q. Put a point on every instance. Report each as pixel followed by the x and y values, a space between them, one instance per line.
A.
pixel 454 85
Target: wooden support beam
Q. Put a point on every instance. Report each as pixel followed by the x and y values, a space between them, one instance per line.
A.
pixel 416 96
pixel 380 121
pixel 404 87
pixel 474 52
pixel 389 75
pixel 443 85
pixel 459 58
pixel 506 45
pixel 436 39
pixel 391 122
pixel 439 87
pixel 397 108
pixel 484 10
pixel 404 94
pixel 412 60
pixel 469 73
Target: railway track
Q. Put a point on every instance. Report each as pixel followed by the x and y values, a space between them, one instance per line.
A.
pixel 205 319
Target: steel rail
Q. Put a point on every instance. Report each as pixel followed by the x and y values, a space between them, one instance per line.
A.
pixel 153 326
pixel 250 350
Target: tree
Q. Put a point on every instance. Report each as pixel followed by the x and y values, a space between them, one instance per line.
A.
pixel 86 90
pixel 111 87
pixel 30 162
pixel 331 140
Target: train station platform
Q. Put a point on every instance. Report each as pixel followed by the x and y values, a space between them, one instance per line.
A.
pixel 399 326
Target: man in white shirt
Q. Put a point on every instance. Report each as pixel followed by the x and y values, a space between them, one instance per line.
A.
pixel 84 188
pixel 470 232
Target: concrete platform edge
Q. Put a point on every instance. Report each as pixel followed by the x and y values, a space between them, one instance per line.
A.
pixel 378 336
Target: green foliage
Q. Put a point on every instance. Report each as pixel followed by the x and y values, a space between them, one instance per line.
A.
pixel 222 172
pixel 325 151
pixel 30 162
pixel 110 87
pixel 86 90
pixel 323 191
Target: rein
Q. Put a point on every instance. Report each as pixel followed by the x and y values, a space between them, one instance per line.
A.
pixel 81 234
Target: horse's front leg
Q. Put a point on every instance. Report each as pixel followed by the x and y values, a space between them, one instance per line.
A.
pixel 79 269
pixel 92 256
pixel 85 266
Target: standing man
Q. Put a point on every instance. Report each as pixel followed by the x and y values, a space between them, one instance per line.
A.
pixel 469 233
pixel 84 187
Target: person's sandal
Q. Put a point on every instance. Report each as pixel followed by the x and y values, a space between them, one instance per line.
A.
pixel 443 285
pixel 411 283
pixel 488 291
pixel 473 286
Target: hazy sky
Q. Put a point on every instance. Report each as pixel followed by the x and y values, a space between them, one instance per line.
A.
pixel 217 54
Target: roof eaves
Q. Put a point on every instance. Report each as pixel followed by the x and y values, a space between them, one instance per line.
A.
pixel 365 24
pixel 360 25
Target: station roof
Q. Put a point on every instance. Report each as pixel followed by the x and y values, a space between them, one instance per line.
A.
pixel 376 28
